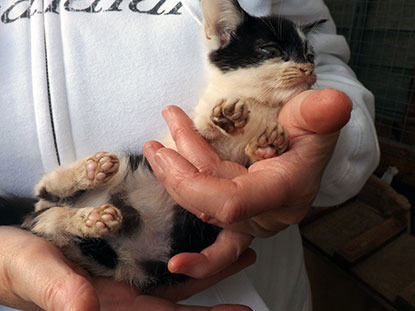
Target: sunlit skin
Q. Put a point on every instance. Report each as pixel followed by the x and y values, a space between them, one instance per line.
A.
pixel 258 201
pixel 34 275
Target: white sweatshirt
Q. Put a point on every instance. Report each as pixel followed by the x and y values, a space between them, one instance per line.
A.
pixel 78 76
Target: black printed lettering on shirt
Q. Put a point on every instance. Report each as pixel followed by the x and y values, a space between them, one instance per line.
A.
pixel 22 9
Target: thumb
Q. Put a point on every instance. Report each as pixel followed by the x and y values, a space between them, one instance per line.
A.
pixel 37 273
pixel 316 111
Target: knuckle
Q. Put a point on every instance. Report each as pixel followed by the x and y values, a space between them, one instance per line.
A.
pixel 73 285
pixel 51 294
pixel 232 211
pixel 207 170
pixel 178 133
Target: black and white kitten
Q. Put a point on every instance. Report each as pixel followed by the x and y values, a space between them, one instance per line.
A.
pixel 108 212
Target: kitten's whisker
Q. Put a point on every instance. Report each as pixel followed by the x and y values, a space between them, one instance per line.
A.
pixel 279 14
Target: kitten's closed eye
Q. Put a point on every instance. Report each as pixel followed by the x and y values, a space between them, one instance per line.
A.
pixel 267 51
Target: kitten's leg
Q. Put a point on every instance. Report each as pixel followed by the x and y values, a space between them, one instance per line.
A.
pixel 56 223
pixel 230 115
pixel 272 142
pixel 66 184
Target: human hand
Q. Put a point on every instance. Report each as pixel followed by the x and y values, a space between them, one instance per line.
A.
pixel 34 275
pixel 256 202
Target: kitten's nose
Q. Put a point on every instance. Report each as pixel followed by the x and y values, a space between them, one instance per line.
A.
pixel 307 70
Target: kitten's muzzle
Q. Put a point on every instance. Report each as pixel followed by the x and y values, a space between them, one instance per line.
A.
pixel 308 75
pixel 307 70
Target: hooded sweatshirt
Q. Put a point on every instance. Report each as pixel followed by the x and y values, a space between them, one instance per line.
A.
pixel 79 76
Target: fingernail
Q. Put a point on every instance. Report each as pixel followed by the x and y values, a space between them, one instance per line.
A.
pixel 150 148
pixel 187 267
pixel 173 268
pixel 167 114
pixel 151 151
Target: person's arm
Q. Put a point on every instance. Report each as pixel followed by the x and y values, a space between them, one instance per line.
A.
pixel 357 153
pixel 34 275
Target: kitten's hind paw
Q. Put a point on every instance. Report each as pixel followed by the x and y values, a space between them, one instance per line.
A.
pixel 100 221
pixel 272 142
pixel 101 166
pixel 231 115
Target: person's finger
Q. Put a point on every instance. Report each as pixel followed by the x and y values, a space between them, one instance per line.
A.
pixel 194 286
pixel 322 112
pixel 195 148
pixel 189 143
pixel 116 296
pixel 234 199
pixel 226 250
pixel 146 303
pixel 37 272
pixel 172 181
pixel 189 187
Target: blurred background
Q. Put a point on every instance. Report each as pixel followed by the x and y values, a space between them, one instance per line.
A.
pixel 381 35
pixel 361 255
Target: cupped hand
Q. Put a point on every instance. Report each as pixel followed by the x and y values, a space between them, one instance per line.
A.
pixel 34 275
pixel 258 201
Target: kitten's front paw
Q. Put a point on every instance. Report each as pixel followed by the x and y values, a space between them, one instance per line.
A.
pixel 100 221
pixel 272 142
pixel 231 115
pixel 101 166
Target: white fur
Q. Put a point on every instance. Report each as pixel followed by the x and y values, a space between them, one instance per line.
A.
pixel 153 240
pixel 221 18
pixel 265 88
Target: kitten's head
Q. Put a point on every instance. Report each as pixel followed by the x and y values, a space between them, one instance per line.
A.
pixel 268 58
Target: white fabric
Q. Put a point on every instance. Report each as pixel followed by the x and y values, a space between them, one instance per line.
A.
pixel 112 66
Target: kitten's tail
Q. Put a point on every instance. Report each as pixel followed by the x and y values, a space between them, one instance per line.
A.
pixel 14 209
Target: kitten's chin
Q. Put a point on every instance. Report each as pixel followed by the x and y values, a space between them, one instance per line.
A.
pixel 284 94
pixel 304 83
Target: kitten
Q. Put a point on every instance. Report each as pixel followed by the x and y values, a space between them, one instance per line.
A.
pixel 108 212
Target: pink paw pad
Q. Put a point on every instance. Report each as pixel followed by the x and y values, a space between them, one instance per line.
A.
pixel 102 166
pixel 106 218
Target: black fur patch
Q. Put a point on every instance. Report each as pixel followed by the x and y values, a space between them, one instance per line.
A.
pixel 160 275
pixel 50 197
pixel 244 48
pixel 135 160
pixel 47 196
pixel 190 234
pixel 14 209
pixel 131 217
pixel 98 250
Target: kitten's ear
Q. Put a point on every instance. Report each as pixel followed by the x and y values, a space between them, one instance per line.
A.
pixel 307 28
pixel 221 19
